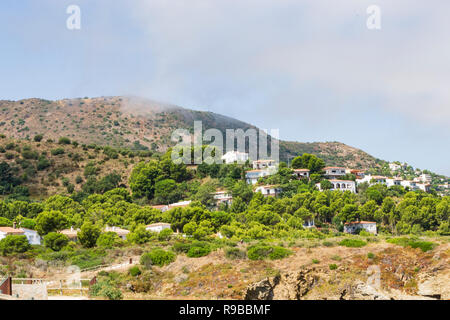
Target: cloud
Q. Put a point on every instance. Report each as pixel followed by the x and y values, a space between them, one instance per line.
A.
pixel 278 47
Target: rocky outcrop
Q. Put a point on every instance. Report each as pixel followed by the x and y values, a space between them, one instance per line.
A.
pixel 286 286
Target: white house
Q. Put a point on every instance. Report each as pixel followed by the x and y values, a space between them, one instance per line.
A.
pixel 252 176
pixel 372 179
pixel 157 227
pixel 301 173
pixel 341 185
pixel 32 236
pixel 269 190
pixel 235 156
pixel 352 227
pixel 8 231
pixel 263 164
pixel 412 185
pixel 165 207
pixel 394 182
pixel 122 233
pixel 424 186
pixel 426 178
pixel 334 172
pixel 222 196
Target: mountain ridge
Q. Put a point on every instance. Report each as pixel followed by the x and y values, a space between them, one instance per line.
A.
pixel 140 123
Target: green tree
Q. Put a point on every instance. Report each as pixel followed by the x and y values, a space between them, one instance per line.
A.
pixel 88 234
pixel 49 221
pixel 55 241
pixel 308 161
pixel 14 244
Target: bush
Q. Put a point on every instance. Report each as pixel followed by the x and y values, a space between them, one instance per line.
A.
pixel 134 271
pixel 413 243
pixel 158 257
pixel 14 244
pixel 352 243
pixel 181 247
pixel 107 290
pixel 235 253
pixel 4 222
pixel 38 138
pixel 55 241
pixel 64 140
pixel 108 240
pixel 197 252
pixel 370 255
pixel 260 252
pixel 333 266
pixel 165 235
pixel 57 151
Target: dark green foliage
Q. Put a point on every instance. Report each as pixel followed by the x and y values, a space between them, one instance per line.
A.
pixel 261 251
pixel 55 241
pixel 14 244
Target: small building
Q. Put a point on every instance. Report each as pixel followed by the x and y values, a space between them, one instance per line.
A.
pixel 269 190
pixel 353 227
pixel 372 179
pixel 426 187
pixel 235 157
pixel 394 182
pixel 334 172
pixel 341 185
pixel 32 236
pixel 71 233
pixel 157 227
pixel 165 207
pixel 263 164
pixel 425 178
pixel 252 176
pixel 8 231
pixel 301 173
pixel 359 174
pixel 122 233
pixel 223 196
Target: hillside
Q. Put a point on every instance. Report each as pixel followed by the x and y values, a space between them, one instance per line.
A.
pixel 142 124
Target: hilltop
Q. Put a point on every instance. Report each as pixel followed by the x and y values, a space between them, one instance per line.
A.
pixel 140 124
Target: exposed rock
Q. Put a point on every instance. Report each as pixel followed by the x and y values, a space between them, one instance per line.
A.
pixel 286 286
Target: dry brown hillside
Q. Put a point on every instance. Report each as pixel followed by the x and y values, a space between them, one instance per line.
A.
pixel 139 124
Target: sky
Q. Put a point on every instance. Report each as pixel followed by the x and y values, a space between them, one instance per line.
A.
pixel 310 68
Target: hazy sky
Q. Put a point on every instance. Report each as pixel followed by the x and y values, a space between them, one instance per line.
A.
pixel 310 68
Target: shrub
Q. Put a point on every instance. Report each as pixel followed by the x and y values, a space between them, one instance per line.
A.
pixel 315 261
pixel 107 290
pixel 235 253
pixel 38 137
pixel 328 243
pixel 134 271
pixel 181 246
pixel 260 252
pixel 413 243
pixel 57 151
pixel 55 241
pixel 165 235
pixel 64 140
pixel 4 222
pixel 14 244
pixel 158 257
pixel 43 163
pixel 352 243
pixel 333 266
pixel 108 240
pixel 370 255
pixel 196 252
